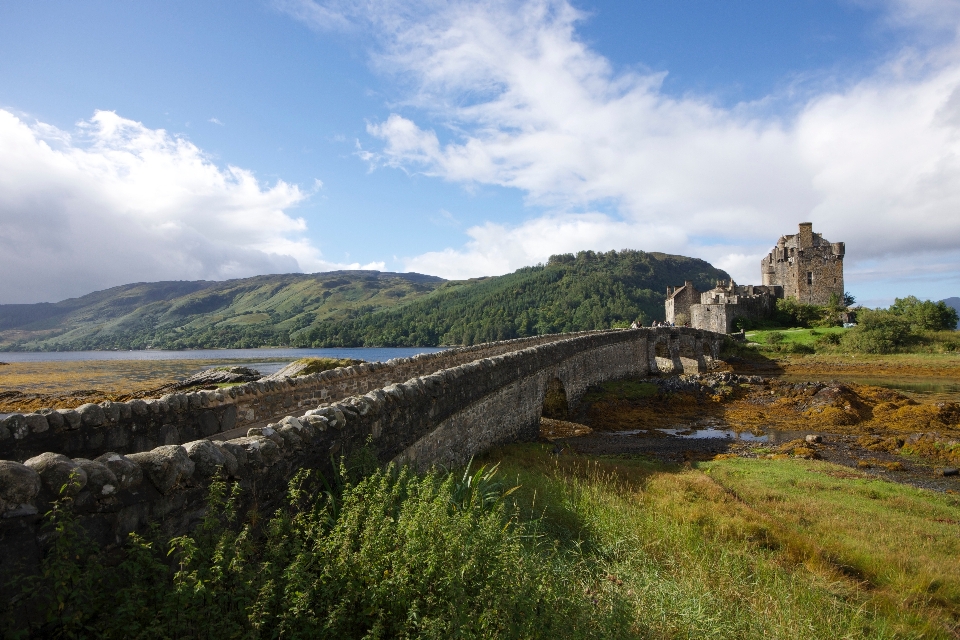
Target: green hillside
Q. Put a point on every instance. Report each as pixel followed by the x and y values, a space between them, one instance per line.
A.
pixel 248 312
pixel 360 308
pixel 569 293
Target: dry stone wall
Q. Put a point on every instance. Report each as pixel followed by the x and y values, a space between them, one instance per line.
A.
pixel 443 417
pixel 141 425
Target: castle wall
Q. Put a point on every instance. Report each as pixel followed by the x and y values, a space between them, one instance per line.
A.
pixel 711 317
pixel 720 317
pixel 680 300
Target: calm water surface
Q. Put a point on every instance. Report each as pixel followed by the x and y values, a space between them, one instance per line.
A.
pixel 370 354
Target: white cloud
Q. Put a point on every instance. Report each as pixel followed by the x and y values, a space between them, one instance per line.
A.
pixel 502 92
pixel 496 248
pixel 116 202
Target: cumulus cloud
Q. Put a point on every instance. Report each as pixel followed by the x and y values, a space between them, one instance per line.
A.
pixel 116 202
pixel 503 92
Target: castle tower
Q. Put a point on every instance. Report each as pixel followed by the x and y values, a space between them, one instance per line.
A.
pixel 808 267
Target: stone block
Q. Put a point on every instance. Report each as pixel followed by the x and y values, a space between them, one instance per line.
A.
pixel 228 419
pixel 60 474
pixel 261 451
pixel 169 434
pixel 127 472
pixel 207 457
pixel 16 426
pixel 209 424
pixel 91 415
pixel 54 419
pixel 166 467
pixel 111 411
pixel 19 485
pixel 36 422
pixel 139 408
pixel 101 481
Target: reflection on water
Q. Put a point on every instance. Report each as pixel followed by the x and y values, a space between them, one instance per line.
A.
pixel 370 354
pixel 694 434
pixel 771 436
pixel 713 432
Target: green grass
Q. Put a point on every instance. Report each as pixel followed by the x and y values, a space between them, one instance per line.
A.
pixel 793 336
pixel 828 340
pixel 898 541
pixel 627 389
pixel 752 548
pixel 582 548
pixel 318 365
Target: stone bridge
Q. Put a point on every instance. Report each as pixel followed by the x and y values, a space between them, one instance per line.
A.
pixel 436 409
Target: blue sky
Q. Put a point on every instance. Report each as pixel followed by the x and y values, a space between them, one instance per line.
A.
pixel 183 140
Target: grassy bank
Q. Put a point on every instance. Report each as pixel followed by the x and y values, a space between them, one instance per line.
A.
pixel 820 362
pixel 838 340
pixel 754 548
pixel 606 548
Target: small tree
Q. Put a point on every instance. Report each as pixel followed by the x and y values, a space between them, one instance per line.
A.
pixel 877 331
pixel 791 312
pixel 925 315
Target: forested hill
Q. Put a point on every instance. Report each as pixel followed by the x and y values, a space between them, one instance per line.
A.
pixel 361 308
pixel 570 293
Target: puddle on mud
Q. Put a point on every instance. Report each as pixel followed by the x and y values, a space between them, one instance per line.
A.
pixel 771 436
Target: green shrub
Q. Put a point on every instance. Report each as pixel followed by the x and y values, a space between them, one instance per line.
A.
pixel 775 337
pixel 791 313
pixel 827 340
pixel 395 556
pixel 877 332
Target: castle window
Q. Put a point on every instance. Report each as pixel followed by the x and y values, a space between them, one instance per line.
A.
pixel 809 277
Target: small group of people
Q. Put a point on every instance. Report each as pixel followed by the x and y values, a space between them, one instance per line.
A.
pixel 636 324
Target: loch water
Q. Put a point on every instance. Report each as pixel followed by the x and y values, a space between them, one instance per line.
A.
pixel 266 361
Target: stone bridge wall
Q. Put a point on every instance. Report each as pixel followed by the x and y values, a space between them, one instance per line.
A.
pixel 141 425
pixel 444 417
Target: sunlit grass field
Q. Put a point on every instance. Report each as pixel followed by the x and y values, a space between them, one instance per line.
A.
pixel 795 335
pixel 745 548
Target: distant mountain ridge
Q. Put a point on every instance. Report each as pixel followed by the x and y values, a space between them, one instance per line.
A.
pixel 952 302
pixel 588 290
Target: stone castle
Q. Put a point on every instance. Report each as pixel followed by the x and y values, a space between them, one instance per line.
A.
pixel 808 267
pixel 803 266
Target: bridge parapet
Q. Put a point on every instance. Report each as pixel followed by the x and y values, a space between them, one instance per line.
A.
pixel 176 418
pixel 442 417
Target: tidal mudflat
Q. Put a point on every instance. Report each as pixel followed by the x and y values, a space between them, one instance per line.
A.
pixel 910 436
pixel 31 381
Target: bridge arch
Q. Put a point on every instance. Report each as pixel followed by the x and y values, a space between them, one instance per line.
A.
pixel 555 404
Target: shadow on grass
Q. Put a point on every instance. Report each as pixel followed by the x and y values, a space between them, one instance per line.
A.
pixel 749 361
pixel 545 478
